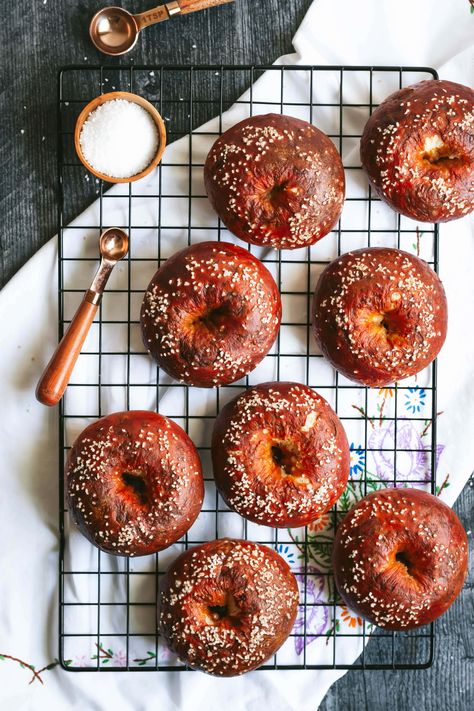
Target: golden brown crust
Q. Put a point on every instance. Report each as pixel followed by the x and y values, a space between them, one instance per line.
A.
pixel 418 150
pixel 227 606
pixel 210 314
pixel 400 558
pixel 134 483
pixel 379 315
pixel 276 181
pixel 280 455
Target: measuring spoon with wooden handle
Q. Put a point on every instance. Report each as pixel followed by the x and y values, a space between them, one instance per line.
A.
pixel 115 31
pixel 113 245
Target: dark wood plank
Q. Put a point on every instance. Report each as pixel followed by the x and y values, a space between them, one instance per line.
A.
pixel 37 38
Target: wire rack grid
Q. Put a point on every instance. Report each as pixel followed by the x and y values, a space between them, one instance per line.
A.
pixel 107 611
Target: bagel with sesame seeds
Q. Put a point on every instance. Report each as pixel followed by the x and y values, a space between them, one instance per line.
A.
pixel 417 149
pixel 379 315
pixel 276 181
pixel 133 483
pixel 227 606
pixel 400 558
pixel 280 455
pixel 210 314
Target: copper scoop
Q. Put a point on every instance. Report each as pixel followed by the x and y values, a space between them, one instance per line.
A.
pixel 113 245
pixel 115 31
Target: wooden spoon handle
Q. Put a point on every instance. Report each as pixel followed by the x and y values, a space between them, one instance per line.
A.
pixel 175 7
pixel 57 373
pixel 194 5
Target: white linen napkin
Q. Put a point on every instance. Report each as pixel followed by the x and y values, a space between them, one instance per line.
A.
pixel 387 33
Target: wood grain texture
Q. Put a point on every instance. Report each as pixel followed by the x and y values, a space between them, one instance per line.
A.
pixel 34 45
pixel 57 373
pixel 188 6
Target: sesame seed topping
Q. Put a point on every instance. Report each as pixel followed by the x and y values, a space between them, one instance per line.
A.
pixel 276 180
pixel 128 499
pixel 280 454
pixel 227 606
pixel 219 321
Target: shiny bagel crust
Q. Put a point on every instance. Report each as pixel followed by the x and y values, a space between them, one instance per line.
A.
pixel 134 483
pixel 418 150
pixel 280 455
pixel 210 314
pixel 276 181
pixel 379 315
pixel 400 558
pixel 227 606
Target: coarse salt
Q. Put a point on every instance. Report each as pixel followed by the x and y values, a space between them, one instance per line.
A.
pixel 119 139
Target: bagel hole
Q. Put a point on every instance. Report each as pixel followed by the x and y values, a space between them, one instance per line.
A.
pixel 136 483
pixel 214 319
pixel 436 157
pixel 227 608
pixel 276 198
pixel 439 154
pixel 284 458
pixel 386 323
pixel 402 557
pixel 390 324
pixel 277 190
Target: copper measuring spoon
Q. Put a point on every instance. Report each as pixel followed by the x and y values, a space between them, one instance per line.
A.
pixel 113 245
pixel 115 31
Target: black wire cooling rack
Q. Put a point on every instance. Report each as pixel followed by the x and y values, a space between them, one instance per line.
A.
pixel 107 611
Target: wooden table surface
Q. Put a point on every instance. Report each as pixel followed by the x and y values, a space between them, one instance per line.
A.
pixel 36 39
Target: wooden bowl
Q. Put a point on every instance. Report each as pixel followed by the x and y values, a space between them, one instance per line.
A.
pixel 98 101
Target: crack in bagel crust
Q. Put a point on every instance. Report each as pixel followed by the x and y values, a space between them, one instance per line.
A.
pixel 276 180
pixel 379 315
pixel 400 558
pixel 227 606
pixel 210 314
pixel 418 150
pixel 134 483
pixel 280 454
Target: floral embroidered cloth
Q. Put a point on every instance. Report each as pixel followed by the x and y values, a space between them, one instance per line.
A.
pixel 28 437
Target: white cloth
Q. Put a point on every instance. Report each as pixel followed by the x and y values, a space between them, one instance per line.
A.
pixel 424 32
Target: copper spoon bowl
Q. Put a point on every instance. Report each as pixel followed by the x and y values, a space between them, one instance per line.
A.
pixel 113 246
pixel 115 31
